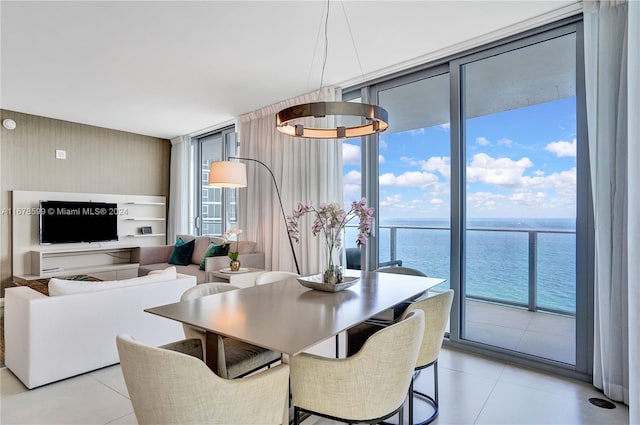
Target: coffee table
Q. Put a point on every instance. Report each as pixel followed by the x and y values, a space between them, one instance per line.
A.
pixel 245 278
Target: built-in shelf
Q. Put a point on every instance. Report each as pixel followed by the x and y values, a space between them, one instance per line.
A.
pixel 59 262
pixel 147 235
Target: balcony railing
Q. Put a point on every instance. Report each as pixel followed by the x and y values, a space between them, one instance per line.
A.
pixel 532 303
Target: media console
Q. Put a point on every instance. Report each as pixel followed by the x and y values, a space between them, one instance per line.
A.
pixel 104 263
pixel 105 260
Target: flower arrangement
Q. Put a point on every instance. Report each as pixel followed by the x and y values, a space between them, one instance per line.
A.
pixel 227 237
pixel 330 220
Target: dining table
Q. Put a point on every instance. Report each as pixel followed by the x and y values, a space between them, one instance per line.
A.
pixel 289 318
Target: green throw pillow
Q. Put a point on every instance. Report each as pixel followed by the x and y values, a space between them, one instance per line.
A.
pixel 182 251
pixel 214 251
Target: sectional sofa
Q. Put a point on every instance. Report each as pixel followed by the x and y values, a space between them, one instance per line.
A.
pixel 157 257
pixel 73 331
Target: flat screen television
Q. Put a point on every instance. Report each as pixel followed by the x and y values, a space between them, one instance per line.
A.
pixel 77 221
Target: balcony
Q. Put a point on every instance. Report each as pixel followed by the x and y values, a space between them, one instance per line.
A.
pixel 520 292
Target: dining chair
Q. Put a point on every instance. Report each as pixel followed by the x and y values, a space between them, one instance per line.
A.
pixel 357 335
pixel 273 276
pixel 235 358
pixel 369 386
pixel 173 387
pixel 436 310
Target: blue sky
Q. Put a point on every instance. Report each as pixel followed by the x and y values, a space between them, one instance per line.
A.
pixel 520 164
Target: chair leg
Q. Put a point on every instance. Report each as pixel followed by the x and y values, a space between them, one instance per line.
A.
pixel 411 402
pixel 431 400
pixel 296 415
pixel 401 415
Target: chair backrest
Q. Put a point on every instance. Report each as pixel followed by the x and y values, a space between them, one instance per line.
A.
pixel 167 387
pixel 436 316
pixel 388 360
pixel 199 291
pixel 401 270
pixel 275 276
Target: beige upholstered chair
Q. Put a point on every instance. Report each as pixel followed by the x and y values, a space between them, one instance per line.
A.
pixel 235 358
pixel 401 270
pixel 357 335
pixel 275 276
pixel 366 387
pixel 436 311
pixel 168 387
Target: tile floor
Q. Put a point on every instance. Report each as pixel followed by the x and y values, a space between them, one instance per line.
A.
pixel 541 334
pixel 473 390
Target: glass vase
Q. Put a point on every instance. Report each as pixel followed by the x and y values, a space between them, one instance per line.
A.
pixel 333 260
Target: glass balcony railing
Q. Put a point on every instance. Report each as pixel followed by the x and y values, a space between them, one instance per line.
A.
pixel 520 267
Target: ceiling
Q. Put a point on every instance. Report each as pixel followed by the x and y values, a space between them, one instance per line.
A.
pixel 169 68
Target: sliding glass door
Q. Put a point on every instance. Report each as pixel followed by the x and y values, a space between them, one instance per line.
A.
pixel 482 179
pixel 520 143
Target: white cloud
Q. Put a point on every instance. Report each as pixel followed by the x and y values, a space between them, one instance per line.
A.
pixel 562 148
pixel 441 164
pixel 436 201
pixel 409 161
pixel 350 154
pixel 408 179
pixel 352 177
pixel 445 126
pixel 500 171
pixel 483 141
pixel 391 201
pixel 484 200
pixel 417 131
pixel 505 142
pixel 380 159
pixel 538 173
pixel 383 144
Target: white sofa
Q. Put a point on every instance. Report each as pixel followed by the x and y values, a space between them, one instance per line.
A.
pixel 48 338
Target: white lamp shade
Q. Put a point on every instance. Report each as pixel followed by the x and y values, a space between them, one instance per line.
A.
pixel 227 174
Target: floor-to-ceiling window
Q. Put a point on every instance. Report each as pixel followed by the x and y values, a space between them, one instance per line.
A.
pixel 214 208
pixel 518 126
pixel 476 181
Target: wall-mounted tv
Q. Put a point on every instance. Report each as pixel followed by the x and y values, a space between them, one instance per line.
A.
pixel 77 221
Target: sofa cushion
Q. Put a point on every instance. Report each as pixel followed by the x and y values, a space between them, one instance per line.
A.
pixel 59 287
pixel 201 245
pixel 181 253
pixel 214 250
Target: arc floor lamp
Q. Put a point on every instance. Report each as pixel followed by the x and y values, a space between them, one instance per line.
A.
pixel 234 175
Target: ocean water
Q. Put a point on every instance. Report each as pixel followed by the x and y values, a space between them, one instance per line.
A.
pixel 497 261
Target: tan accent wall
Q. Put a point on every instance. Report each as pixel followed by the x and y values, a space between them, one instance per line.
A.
pixel 99 160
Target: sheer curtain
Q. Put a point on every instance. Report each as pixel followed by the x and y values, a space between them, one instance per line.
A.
pixel 304 169
pixel 633 162
pixel 178 221
pixel 613 162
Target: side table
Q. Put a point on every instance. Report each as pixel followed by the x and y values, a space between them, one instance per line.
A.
pixel 241 279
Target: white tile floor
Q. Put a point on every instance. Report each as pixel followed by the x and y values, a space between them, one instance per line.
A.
pixel 473 390
pixel 541 334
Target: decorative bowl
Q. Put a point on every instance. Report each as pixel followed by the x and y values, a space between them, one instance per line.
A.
pixel 315 282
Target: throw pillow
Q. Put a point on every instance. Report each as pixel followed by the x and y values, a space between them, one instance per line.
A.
pixel 214 251
pixel 181 253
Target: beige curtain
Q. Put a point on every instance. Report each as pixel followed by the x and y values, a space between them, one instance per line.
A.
pixel 304 169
